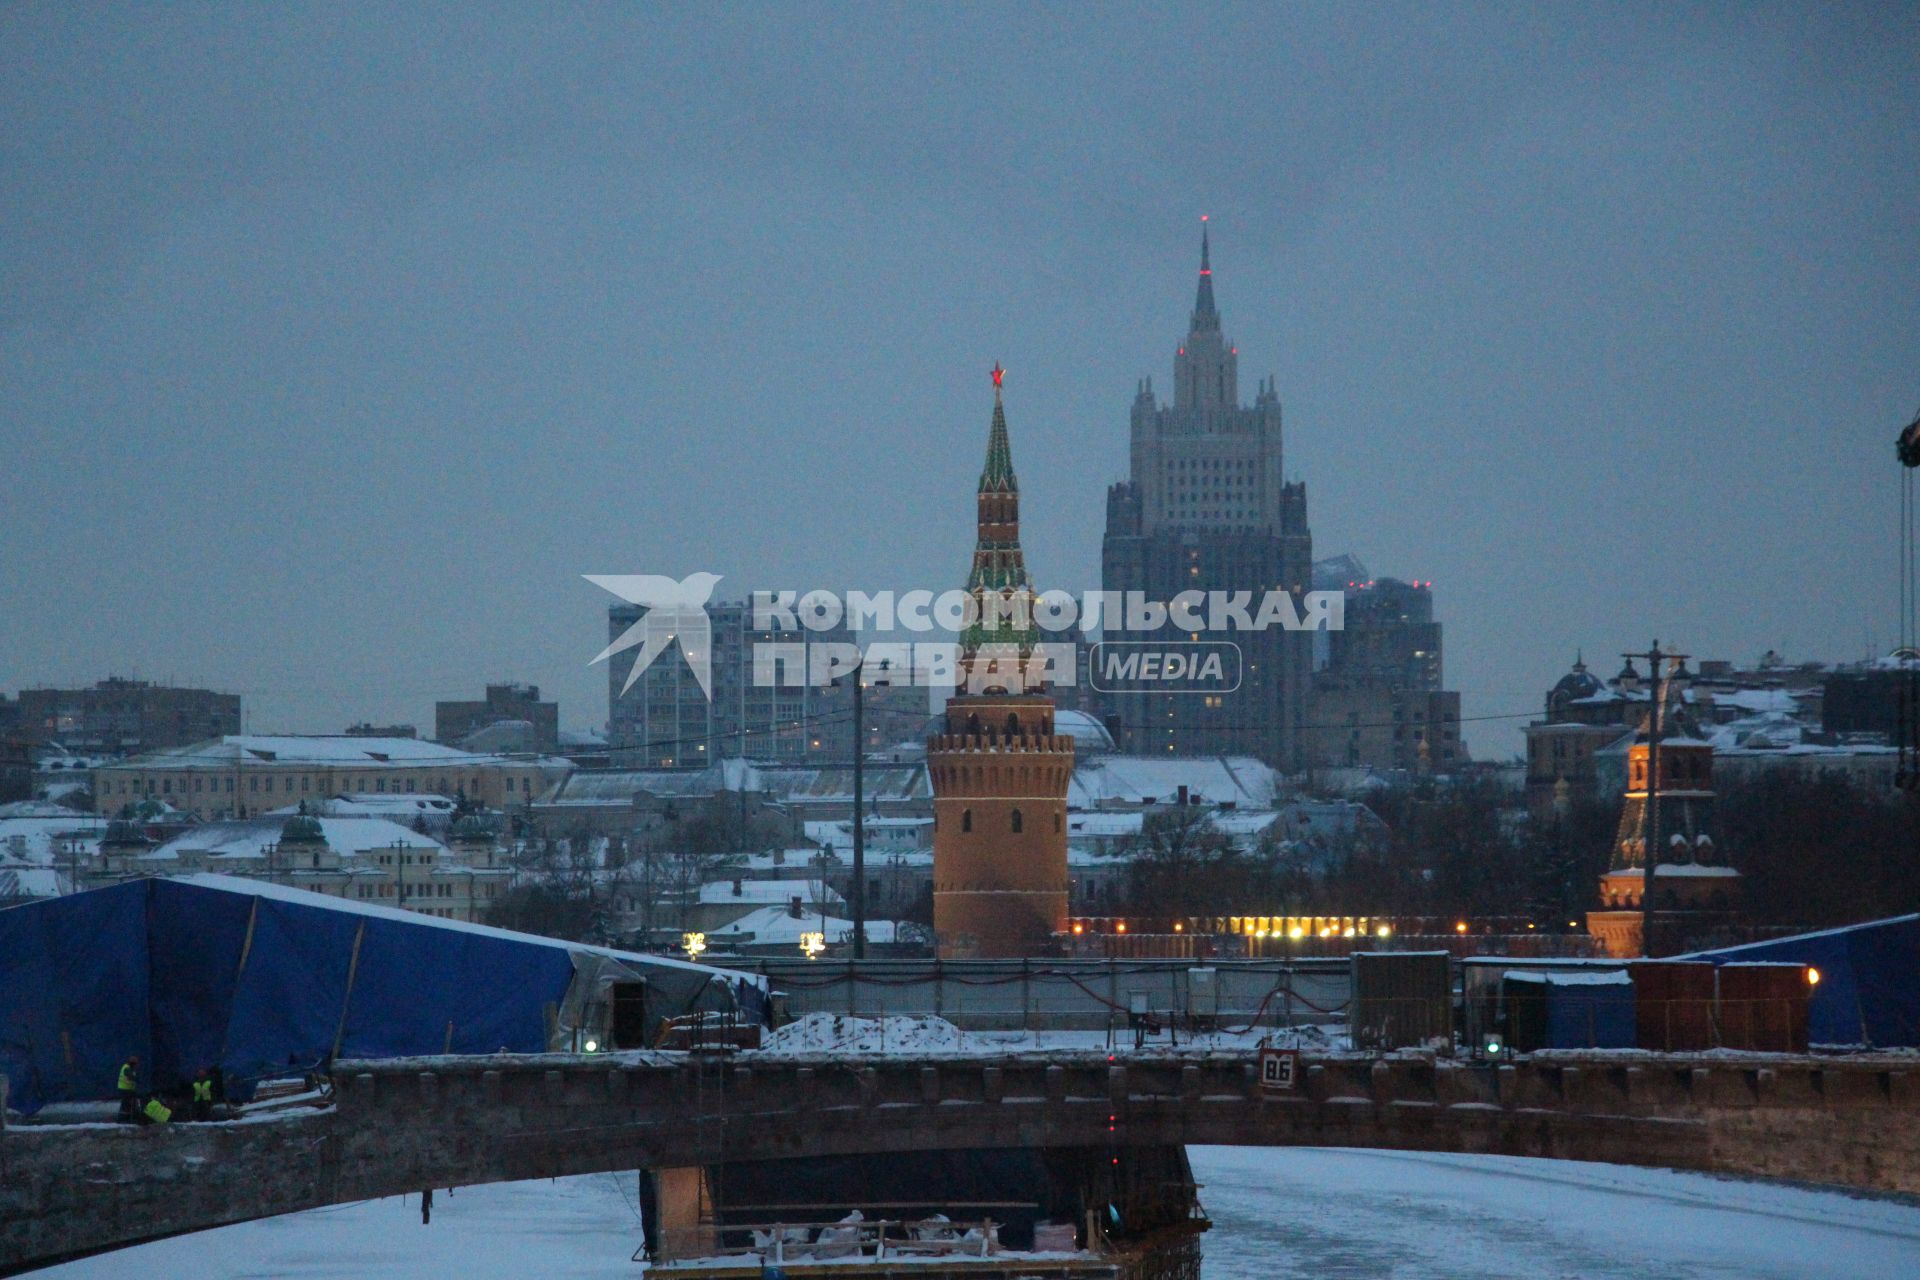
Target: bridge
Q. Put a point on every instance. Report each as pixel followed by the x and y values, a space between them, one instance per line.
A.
pixel 401 1126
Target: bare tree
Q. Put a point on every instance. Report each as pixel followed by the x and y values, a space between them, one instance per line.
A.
pixel 1180 863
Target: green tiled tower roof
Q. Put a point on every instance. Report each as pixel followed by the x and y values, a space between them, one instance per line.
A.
pixel 999 565
pixel 998 475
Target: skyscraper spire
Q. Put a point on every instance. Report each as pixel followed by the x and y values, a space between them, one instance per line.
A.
pixel 1205 317
pixel 1206 369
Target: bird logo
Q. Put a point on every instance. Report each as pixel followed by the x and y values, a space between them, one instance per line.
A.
pixel 674 610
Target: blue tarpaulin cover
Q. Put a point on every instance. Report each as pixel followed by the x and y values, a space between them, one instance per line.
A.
pixel 260 981
pixel 1869 988
pixel 1569 1010
pixel 1590 1011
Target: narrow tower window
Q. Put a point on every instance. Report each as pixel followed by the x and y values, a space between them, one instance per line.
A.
pixel 1016 822
pixel 966 819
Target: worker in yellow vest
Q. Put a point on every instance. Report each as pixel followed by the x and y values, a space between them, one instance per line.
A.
pixel 156 1112
pixel 203 1096
pixel 129 1089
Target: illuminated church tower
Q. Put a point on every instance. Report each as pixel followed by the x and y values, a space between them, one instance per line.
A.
pixel 1695 892
pixel 999 770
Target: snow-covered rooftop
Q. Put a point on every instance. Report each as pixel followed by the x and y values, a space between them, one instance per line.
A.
pixel 837 833
pixel 38 841
pixel 834 783
pixel 39 809
pixel 368 805
pixel 1107 781
pixel 778 926
pixel 249 837
pixel 1756 701
pixel 342 749
pixel 779 892
pixel 31 882
pixel 1105 823
pixel 791 783
pixel 1088 734
pixel 788 860
pixel 1245 822
pixel 1775 732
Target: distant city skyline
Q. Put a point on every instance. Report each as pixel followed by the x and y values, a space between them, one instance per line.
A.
pixel 336 353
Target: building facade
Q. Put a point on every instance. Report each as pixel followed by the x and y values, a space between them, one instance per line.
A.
pixel 1768 716
pixel 366 859
pixel 125 717
pixel 1880 698
pixel 1000 772
pixel 666 720
pixel 245 775
pixel 454 722
pixel 1206 506
pixel 16 770
pixel 1378 700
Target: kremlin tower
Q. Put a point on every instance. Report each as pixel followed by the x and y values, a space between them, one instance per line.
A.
pixel 999 770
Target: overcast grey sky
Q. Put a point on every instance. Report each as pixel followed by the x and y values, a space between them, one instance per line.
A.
pixel 336 342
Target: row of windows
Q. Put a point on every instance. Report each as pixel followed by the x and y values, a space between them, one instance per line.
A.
pixel 1210 464
pixel 1016 823
pixel 387 889
pixel 1211 484
pixel 256 783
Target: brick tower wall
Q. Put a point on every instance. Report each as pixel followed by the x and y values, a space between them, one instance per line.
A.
pixel 997 891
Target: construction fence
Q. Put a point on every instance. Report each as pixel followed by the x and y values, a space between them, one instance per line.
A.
pixel 1067 995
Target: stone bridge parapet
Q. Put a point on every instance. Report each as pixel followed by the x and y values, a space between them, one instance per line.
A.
pixel 401 1126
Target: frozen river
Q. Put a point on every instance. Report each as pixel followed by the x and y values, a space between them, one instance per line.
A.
pixel 1329 1215
pixel 1336 1215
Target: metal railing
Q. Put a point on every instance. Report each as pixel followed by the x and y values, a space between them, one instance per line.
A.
pixel 876 1239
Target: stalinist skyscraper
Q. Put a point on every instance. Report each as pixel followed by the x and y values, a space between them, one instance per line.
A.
pixel 1207 507
pixel 999 770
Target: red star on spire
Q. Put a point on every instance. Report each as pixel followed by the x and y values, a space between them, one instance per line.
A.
pixel 998 373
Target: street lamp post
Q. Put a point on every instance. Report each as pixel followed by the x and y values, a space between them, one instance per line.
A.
pixel 1650 815
pixel 859 899
pixel 859 816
